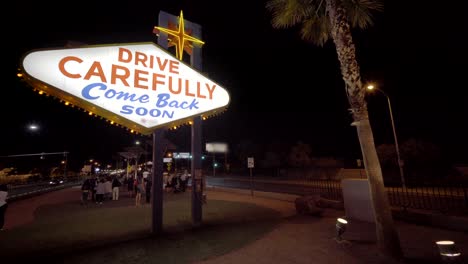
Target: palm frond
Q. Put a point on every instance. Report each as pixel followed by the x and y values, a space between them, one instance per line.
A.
pixel 287 13
pixel 316 30
pixel 360 11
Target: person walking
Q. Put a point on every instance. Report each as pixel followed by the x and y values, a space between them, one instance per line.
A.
pixel 3 204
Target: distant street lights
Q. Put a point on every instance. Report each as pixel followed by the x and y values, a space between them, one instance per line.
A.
pixel 400 163
pixel 33 127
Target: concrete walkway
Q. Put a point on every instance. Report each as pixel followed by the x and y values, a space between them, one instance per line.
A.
pixel 298 239
pixel 309 239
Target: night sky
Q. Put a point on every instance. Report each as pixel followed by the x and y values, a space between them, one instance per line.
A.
pixel 282 88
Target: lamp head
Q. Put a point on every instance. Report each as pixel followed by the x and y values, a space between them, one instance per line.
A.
pixel 370 87
pixel 447 249
pixel 340 227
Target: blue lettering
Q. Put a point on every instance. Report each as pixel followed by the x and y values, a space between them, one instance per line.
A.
pixel 86 91
pixel 168 114
pixel 183 105
pixel 127 109
pixel 141 111
pixel 162 100
pixel 193 105
pixel 144 98
pixel 111 93
pixel 154 112
pixel 174 104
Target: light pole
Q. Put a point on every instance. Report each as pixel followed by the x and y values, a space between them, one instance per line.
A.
pixel 400 163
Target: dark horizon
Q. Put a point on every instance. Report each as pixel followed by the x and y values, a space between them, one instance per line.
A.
pixel 282 88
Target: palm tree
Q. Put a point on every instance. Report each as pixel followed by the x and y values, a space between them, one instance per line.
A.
pixel 320 20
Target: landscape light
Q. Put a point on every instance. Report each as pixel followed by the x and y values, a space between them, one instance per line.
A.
pixel 448 252
pixel 340 228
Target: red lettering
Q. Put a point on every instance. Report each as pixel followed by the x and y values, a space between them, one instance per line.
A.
pixel 123 77
pixel 95 70
pixel 64 71
pixel 156 81
pixel 140 57
pixel 174 67
pixel 139 78
pixel 122 52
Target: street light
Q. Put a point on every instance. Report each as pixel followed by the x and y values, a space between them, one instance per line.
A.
pixel 371 87
pixel 33 127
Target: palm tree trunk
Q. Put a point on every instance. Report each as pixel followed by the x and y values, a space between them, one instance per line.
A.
pixel 387 237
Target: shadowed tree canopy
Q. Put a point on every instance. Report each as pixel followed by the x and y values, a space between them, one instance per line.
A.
pixel 311 17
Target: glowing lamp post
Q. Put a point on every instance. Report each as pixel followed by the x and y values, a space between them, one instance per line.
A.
pixel 400 162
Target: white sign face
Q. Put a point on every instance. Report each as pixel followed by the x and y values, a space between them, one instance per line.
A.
pixel 181 155
pixel 250 162
pixel 141 85
pixel 216 147
pixel 167 160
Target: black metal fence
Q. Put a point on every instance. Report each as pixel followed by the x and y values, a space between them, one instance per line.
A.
pixel 451 200
pixel 446 200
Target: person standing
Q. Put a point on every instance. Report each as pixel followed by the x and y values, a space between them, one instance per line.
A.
pixel 3 204
pixel 100 191
pixel 92 187
pixel 108 187
pixel 146 173
pixel 148 189
pixel 183 180
pixel 85 190
pixel 115 188
pixel 138 191
pixel 130 186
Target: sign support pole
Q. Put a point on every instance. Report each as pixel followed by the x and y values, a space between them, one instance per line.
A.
pixel 250 165
pixel 251 183
pixel 157 180
pixel 196 137
pixel 197 173
pixel 198 182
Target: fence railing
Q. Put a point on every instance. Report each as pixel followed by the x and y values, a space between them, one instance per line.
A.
pixel 443 199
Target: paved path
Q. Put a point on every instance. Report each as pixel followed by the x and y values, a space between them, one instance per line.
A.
pixel 299 239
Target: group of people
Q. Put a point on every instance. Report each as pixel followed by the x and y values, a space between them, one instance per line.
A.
pixel 100 189
pixel 106 188
pixel 139 185
pixel 176 182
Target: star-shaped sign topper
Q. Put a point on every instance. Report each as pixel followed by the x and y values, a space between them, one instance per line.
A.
pixel 179 37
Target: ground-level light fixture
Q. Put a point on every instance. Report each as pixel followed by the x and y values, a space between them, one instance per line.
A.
pixel 340 228
pixel 448 251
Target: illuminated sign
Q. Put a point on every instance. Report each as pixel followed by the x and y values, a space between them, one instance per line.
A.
pixel 179 38
pixel 182 155
pixel 140 86
pixel 216 147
